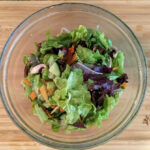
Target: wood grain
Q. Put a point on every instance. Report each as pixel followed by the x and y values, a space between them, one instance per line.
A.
pixel 136 13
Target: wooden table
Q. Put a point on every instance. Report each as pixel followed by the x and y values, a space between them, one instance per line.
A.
pixel 136 13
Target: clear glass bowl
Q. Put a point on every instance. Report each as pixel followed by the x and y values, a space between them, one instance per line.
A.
pixel 70 15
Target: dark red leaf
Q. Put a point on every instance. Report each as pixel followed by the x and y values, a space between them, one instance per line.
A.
pixel 79 125
pixel 102 69
pixel 123 78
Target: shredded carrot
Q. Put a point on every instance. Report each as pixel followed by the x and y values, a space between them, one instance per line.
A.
pixel 50 91
pixel 91 126
pixel 33 95
pixel 70 57
pixel 61 110
pixel 74 57
pixel 71 49
pixel 26 81
pixel 47 112
pixel 115 68
pixel 124 84
pixel 53 106
pixel 44 92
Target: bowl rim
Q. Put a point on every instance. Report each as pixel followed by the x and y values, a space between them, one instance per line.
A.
pixel 76 146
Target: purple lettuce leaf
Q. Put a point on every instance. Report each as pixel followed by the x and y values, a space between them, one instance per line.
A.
pixel 79 125
pixel 123 78
pixel 102 69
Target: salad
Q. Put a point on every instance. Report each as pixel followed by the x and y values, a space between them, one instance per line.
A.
pixel 74 79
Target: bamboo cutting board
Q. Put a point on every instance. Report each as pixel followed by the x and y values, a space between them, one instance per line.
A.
pixel 137 15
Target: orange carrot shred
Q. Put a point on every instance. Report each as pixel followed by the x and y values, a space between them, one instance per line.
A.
pixel 47 112
pixel 70 57
pixel 61 110
pixel 26 81
pixel 124 84
pixel 115 68
pixel 33 95
pixel 43 91
pixel 49 92
pixel 74 57
pixel 53 106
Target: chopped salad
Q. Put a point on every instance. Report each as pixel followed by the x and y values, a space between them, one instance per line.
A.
pixel 74 79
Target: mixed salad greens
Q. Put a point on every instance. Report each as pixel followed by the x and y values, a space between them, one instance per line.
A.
pixel 74 79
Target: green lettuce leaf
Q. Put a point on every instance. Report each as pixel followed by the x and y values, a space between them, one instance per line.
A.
pixel 50 84
pixel 37 83
pixel 40 112
pixel 65 39
pixel 45 74
pixel 109 103
pixel 73 96
pixel 96 117
pixel 75 79
pixel 60 41
pixel 60 83
pixel 79 34
pixel 27 90
pixel 88 56
pixel 54 123
pixel 119 61
pixel 47 45
pixel 98 38
pixel 66 72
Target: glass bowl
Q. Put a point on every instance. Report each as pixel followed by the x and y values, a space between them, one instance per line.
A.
pixel 71 15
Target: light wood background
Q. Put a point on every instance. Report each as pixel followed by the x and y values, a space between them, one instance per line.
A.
pixel 136 13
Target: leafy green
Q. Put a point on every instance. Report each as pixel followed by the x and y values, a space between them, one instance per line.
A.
pixel 79 34
pixel 52 59
pixel 63 40
pixel 27 90
pixel 45 74
pixel 73 96
pixel 119 61
pixel 88 56
pixel 55 124
pixel 109 103
pixel 90 81
pixel 60 54
pixel 37 83
pixel 66 72
pixel 40 112
pixel 47 45
pixel 54 71
pixel 37 53
pixel 50 84
pixel 99 39
pixel 75 79
pixel 112 76
pixel 60 83
pixel 47 57
pixel 70 91
pixel 96 117
pixel 26 60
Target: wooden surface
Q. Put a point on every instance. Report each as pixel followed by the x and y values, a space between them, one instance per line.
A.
pixel 137 15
